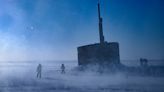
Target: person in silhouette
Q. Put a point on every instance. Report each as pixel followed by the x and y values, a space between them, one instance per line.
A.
pixel 143 62
pixel 39 71
pixel 62 69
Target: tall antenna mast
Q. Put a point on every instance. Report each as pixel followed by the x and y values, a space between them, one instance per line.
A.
pixel 100 25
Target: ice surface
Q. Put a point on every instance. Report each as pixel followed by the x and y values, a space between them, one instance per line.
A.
pixel 21 77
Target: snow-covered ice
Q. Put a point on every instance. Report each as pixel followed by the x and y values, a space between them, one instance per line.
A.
pixel 21 77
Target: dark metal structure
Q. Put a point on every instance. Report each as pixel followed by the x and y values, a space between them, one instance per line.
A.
pixel 103 53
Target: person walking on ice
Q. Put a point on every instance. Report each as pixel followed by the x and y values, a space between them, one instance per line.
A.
pixel 62 69
pixel 39 71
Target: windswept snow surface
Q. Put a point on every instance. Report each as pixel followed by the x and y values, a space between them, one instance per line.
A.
pixel 21 77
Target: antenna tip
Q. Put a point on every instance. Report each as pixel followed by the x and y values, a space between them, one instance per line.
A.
pixel 98 1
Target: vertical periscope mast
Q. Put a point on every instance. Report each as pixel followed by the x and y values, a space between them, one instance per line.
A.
pixel 100 25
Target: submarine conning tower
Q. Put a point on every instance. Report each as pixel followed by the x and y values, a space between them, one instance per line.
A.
pixel 103 53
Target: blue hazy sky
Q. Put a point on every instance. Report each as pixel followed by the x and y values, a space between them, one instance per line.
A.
pixel 53 29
